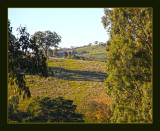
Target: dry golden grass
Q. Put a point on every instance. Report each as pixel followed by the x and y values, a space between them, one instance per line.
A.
pixel 101 112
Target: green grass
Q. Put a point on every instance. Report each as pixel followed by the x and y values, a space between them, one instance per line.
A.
pixel 96 51
pixel 77 80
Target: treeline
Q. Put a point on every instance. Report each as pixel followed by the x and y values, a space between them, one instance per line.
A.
pixel 73 55
pixel 90 44
pixel 68 54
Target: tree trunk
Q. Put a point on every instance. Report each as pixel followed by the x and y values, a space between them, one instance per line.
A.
pixel 45 52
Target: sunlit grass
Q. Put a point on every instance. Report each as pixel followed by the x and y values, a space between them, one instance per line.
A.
pixel 73 80
pixel 96 51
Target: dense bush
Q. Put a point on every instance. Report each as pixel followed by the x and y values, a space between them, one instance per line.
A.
pixel 13 102
pixel 129 63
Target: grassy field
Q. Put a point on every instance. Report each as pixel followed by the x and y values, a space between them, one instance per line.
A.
pixel 96 51
pixel 77 80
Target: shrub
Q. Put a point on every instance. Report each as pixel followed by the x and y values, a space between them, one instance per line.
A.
pixel 13 102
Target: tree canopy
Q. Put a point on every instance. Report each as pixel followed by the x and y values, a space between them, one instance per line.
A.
pixel 20 62
pixel 46 39
pixel 129 63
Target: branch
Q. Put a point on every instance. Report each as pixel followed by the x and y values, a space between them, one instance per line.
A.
pixel 133 29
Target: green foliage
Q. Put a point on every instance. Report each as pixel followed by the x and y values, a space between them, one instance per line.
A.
pixel 46 39
pixel 129 63
pixel 20 62
pixel 52 110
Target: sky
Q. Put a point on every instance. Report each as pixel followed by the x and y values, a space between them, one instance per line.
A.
pixel 76 26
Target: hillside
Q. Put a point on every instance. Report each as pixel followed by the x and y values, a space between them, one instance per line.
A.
pixel 77 80
pixel 95 51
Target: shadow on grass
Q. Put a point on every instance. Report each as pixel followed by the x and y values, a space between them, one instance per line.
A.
pixel 45 109
pixel 76 75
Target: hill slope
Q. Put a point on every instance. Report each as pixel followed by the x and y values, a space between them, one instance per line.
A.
pixel 96 51
pixel 77 80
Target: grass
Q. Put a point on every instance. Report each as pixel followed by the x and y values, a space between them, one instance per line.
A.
pixel 77 80
pixel 96 51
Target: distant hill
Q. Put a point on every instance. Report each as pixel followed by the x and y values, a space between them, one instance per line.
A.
pixel 96 52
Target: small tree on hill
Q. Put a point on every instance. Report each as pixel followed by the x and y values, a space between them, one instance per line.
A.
pixel 90 44
pixel 69 54
pixel 96 42
pixel 65 54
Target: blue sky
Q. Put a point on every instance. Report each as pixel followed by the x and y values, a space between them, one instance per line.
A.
pixel 76 26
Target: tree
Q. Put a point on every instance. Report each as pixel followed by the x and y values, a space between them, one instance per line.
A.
pixel 46 39
pixel 55 52
pixel 65 54
pixel 72 47
pixel 90 44
pixel 96 42
pixel 48 52
pixel 69 54
pixel 46 109
pixel 20 63
pixel 129 63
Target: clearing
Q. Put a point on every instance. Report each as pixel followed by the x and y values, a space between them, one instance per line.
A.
pixel 77 80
